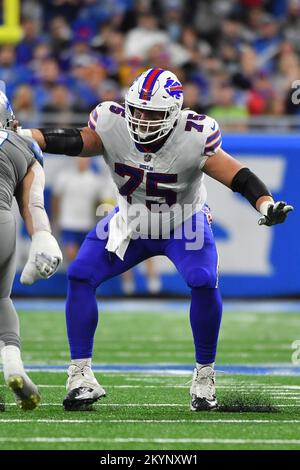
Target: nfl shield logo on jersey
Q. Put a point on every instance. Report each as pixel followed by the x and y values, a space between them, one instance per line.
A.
pixel 147 157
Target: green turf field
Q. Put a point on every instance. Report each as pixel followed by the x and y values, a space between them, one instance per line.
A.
pixel 151 410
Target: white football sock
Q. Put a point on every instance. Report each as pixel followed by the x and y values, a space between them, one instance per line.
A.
pixel 200 366
pixel 82 362
pixel 12 362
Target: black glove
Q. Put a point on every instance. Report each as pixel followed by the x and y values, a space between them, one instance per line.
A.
pixel 277 213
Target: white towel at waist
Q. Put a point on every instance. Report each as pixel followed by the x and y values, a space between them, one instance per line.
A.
pixel 119 236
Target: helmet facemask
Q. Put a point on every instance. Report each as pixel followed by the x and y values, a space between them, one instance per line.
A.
pixel 7 117
pixel 148 131
pixel 10 123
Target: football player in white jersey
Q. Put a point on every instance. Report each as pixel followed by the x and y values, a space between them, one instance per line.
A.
pixel 157 154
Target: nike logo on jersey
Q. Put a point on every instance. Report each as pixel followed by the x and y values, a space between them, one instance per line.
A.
pixel 213 127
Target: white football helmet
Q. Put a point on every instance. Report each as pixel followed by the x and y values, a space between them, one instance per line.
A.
pixel 154 90
pixel 7 116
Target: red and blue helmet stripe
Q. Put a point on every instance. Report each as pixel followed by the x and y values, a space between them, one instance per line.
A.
pixel 149 82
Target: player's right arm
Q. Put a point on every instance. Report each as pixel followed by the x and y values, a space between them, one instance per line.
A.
pixel 83 142
pixel 44 255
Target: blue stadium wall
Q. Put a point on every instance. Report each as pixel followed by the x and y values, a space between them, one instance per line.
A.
pixel 254 261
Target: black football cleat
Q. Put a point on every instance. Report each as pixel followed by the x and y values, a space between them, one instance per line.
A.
pixel 83 389
pixel 203 391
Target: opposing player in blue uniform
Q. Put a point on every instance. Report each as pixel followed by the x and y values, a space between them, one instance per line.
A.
pixel 157 154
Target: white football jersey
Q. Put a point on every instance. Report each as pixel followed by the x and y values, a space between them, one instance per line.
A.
pixel 172 176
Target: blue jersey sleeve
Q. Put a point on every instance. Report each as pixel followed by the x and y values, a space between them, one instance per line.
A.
pixel 37 152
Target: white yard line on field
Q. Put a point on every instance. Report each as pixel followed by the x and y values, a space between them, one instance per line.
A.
pixel 148 405
pixel 149 440
pixel 152 421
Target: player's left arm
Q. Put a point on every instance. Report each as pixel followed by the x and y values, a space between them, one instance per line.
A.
pixel 229 171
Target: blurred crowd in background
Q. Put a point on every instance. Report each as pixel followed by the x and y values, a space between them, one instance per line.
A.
pixel 236 58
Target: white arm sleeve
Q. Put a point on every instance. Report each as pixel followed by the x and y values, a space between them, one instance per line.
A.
pixel 36 207
pixel 44 255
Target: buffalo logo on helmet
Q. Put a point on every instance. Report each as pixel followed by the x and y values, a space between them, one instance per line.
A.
pixel 173 88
